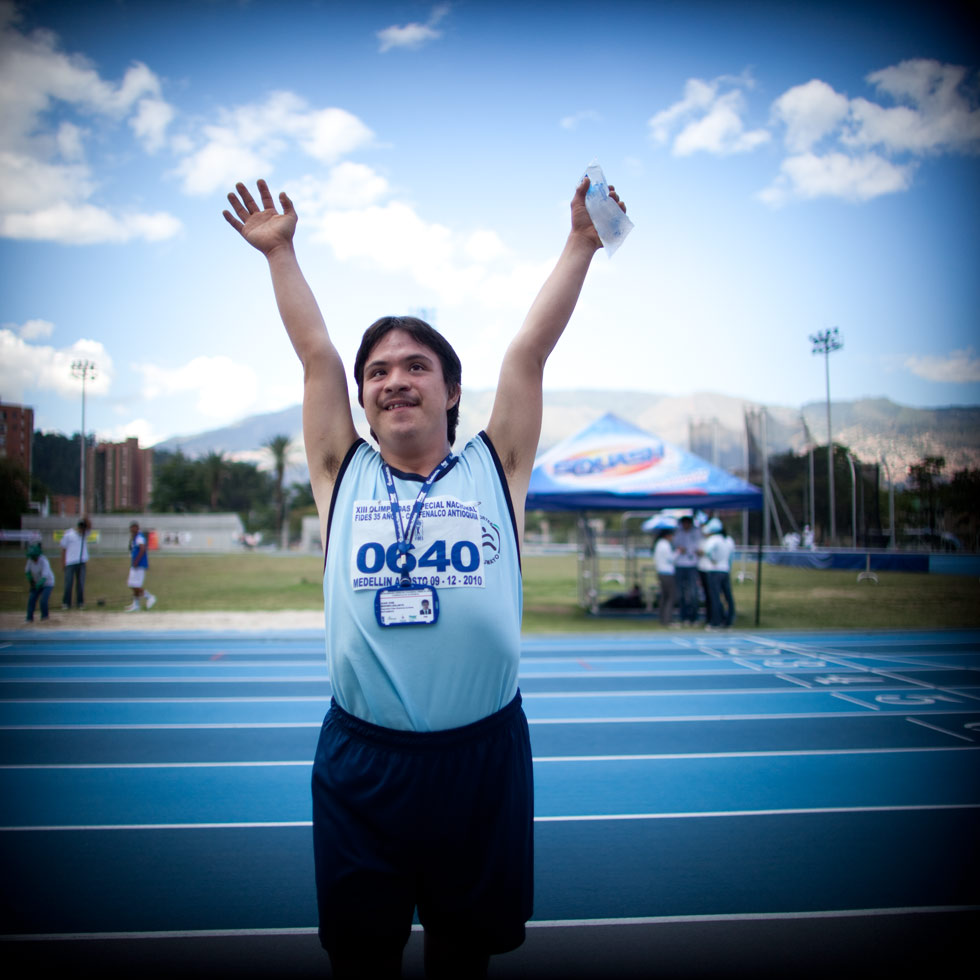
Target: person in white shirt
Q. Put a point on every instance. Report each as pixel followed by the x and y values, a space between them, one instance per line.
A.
pixel 74 555
pixel 719 549
pixel 663 560
pixel 705 565
pixel 687 540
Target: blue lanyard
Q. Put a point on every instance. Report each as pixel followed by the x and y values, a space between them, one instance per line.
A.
pixel 405 533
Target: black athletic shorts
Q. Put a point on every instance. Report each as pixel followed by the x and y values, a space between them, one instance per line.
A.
pixel 438 821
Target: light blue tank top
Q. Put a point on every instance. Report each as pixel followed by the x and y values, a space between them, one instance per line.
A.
pixel 462 668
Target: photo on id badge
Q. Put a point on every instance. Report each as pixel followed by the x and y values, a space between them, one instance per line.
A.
pixel 406 606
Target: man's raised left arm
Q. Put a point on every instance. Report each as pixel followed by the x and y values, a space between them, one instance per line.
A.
pixel 515 421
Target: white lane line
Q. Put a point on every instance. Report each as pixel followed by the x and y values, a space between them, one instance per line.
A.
pixel 571 818
pixel 257 825
pixel 628 720
pixel 181 726
pixel 747 916
pixel 642 719
pixel 636 757
pixel 774 753
pixel 117 701
pixel 54 679
pixel 860 704
pixel 525 695
pixel 158 765
pixel 686 692
pixel 936 728
pixel 686 815
pixel 651 920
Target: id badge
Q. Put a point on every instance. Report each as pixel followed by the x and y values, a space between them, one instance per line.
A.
pixel 416 605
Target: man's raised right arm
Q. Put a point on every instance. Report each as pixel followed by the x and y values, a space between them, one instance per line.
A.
pixel 328 427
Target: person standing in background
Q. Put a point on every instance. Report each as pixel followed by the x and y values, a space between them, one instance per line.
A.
pixel 687 540
pixel 74 555
pixel 663 560
pixel 719 549
pixel 138 565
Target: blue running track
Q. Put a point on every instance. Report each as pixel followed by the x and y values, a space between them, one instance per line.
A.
pixel 706 804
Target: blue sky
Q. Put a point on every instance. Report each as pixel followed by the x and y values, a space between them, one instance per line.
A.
pixel 789 168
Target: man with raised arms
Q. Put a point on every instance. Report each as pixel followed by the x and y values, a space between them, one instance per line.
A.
pixel 422 786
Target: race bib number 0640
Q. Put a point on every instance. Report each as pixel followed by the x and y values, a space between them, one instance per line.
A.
pixel 447 549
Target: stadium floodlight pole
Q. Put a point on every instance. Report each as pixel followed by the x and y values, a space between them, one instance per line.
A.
pixel 826 342
pixel 85 370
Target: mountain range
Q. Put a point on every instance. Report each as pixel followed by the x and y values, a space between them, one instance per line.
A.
pixel 711 425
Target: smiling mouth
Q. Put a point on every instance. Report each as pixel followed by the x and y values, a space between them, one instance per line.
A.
pixel 391 406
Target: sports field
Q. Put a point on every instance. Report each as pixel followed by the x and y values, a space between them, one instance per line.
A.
pixel 791 598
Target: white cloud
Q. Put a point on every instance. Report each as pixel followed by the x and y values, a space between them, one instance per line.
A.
pixel 720 130
pixel 225 389
pixel 455 265
pixel 46 182
pixel 348 185
pixel 25 367
pixel 857 149
pixel 33 329
pixel 248 139
pixel 958 367
pixel 412 35
pixel 576 119
pixel 140 429
pixel 86 224
pixel 836 175
pixel 484 246
pixel 810 112
pixel 333 133
pixel 150 123
pixel 851 148
pixel 937 114
pixel 709 119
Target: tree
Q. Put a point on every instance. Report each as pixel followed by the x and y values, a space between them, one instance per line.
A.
pixel 301 504
pixel 278 447
pixel 57 461
pixel 14 493
pixel 247 491
pixel 214 469
pixel 178 484
pixel 924 477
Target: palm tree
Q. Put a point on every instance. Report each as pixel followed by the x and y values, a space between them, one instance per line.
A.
pixel 215 471
pixel 278 447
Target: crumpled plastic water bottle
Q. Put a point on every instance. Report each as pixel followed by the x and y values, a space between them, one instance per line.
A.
pixel 608 217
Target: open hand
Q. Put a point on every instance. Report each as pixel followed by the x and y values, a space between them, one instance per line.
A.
pixel 263 228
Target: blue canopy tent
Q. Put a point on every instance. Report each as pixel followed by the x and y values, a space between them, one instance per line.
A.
pixel 615 465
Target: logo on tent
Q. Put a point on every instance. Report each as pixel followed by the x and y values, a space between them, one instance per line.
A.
pixel 608 462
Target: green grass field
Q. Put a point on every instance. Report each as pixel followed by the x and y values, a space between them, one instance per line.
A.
pixel 791 598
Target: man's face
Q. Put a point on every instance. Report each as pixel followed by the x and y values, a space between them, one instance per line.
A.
pixel 404 391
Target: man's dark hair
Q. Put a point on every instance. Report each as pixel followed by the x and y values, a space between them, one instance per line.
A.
pixel 428 336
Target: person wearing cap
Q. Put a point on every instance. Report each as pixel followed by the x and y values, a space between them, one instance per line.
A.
pixel 41 581
pixel 74 555
pixel 705 565
pixel 718 549
pixel 138 564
